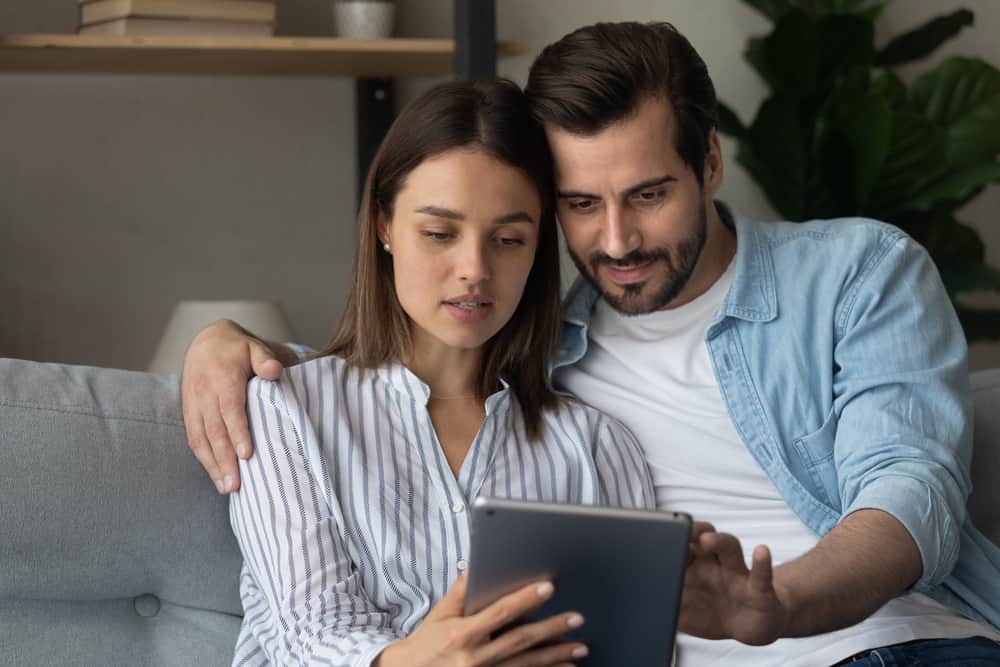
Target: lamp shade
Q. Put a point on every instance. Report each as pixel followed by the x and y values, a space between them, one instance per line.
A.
pixel 263 318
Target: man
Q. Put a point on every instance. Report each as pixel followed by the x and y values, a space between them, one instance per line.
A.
pixel 799 386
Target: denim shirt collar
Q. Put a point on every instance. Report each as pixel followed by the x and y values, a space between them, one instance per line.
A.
pixel 752 296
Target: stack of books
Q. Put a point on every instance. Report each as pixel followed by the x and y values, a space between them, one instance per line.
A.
pixel 246 18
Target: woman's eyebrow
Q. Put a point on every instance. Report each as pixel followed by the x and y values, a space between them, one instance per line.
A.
pixel 440 212
pixel 448 214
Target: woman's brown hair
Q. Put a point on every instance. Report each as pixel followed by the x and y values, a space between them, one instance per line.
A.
pixel 493 117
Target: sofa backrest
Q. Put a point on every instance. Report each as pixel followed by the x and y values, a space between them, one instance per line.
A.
pixel 114 546
pixel 984 503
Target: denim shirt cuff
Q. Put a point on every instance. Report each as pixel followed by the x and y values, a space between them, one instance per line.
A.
pixel 925 515
pixel 300 351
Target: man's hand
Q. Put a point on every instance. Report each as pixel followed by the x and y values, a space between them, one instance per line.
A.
pixel 217 366
pixel 722 598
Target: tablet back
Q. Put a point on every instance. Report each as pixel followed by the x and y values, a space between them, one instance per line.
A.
pixel 622 569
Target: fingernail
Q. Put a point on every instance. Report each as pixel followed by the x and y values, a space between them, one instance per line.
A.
pixel 574 621
pixel 241 450
pixel 544 590
pixel 218 486
pixel 580 652
pixel 227 482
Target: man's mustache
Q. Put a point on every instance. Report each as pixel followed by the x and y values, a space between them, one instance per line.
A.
pixel 634 258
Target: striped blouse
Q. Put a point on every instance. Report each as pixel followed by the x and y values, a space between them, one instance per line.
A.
pixel 350 521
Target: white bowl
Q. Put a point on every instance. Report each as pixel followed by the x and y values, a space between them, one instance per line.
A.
pixel 364 19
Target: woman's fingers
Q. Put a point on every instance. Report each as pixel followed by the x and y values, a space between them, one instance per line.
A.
pixel 516 643
pixel 511 607
pixel 558 655
pixel 452 604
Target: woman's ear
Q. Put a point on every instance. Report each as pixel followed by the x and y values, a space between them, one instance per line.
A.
pixel 382 228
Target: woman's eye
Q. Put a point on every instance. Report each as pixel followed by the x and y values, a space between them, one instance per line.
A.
pixel 437 236
pixel 510 241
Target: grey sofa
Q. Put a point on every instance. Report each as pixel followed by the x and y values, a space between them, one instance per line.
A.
pixel 115 548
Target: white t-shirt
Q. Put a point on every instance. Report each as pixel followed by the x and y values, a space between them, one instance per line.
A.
pixel 653 373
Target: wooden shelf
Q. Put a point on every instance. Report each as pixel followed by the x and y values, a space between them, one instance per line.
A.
pixel 248 56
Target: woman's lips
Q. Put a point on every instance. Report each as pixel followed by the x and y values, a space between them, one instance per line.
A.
pixel 468 312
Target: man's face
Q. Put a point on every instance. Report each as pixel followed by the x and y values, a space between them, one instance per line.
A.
pixel 633 213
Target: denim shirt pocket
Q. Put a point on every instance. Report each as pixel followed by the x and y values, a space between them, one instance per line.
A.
pixel 816 453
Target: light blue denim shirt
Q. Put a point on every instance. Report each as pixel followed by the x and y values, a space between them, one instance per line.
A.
pixel 843 367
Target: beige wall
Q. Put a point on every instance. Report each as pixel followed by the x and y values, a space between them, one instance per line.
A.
pixel 121 195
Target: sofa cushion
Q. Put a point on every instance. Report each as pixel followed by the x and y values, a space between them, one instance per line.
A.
pixel 103 504
pixel 984 503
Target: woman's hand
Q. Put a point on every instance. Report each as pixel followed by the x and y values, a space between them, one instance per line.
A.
pixel 217 366
pixel 445 638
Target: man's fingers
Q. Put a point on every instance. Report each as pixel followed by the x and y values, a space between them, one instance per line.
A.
pixel 222 448
pixel 726 548
pixel 699 528
pixel 263 362
pixel 199 444
pixel 232 406
pixel 760 573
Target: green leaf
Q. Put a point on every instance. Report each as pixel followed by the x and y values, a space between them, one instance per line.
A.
pixel 957 186
pixel 772 9
pixel 756 55
pixel 915 157
pixel 777 9
pixel 887 83
pixel 922 41
pixel 865 124
pixel 979 324
pixel 953 245
pixel 970 277
pixel 730 123
pixel 868 9
pixel 845 42
pixel 791 55
pixel 775 154
pixel 962 95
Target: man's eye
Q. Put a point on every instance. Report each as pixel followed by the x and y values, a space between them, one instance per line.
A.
pixel 650 195
pixel 581 204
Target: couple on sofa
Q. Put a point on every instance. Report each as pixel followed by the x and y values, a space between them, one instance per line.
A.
pixel 799 386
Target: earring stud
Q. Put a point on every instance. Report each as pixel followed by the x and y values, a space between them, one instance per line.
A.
pixel 386 246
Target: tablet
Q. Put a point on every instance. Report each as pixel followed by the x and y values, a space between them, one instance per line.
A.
pixel 622 569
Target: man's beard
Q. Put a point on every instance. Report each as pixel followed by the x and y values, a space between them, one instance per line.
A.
pixel 679 261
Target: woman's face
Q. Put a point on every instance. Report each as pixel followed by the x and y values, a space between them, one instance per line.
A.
pixel 463 238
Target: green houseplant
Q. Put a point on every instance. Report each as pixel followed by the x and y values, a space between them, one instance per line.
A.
pixel 841 134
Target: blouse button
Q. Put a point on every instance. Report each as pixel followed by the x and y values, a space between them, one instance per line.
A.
pixel 458 508
pixel 461 565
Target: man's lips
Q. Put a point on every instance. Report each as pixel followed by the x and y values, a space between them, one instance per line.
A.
pixel 627 275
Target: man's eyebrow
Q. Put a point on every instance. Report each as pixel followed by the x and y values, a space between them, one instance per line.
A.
pixel 440 212
pixel 648 183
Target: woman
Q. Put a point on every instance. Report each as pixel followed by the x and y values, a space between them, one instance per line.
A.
pixel 352 512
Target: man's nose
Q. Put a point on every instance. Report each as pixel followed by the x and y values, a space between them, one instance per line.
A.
pixel 621 233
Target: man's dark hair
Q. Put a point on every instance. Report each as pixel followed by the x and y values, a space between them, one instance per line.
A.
pixel 598 75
